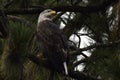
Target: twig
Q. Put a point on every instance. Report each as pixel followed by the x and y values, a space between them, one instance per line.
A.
pixel 97 45
pixel 84 34
pixel 6 5
pixel 58 16
pixel 102 45
pixel 79 62
pixel 80 76
pixel 19 19
pixel 79 39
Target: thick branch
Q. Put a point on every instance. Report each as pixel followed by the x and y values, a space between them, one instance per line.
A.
pixel 73 74
pixel 81 9
pixel 22 11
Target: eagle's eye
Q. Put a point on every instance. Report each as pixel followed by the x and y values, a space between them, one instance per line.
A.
pixel 49 11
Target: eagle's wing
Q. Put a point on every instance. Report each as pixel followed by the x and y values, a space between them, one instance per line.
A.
pixel 50 36
pixel 53 44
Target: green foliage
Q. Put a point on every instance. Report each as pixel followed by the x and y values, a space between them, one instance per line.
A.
pixel 15 50
pixel 104 64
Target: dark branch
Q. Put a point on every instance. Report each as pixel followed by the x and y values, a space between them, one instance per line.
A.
pixel 81 9
pixel 97 45
pixel 80 76
pixel 73 74
pixel 23 11
pixel 79 62
pixel 3 25
pixel 38 60
pixel 19 19
pixel 6 5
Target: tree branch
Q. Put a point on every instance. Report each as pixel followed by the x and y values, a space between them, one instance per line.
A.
pixel 3 25
pixel 39 60
pixel 80 76
pixel 19 19
pixel 89 9
pixel 79 62
pixel 97 45
pixel 81 9
pixel 6 5
pixel 73 74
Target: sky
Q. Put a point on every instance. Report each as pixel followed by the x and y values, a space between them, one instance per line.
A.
pixel 85 40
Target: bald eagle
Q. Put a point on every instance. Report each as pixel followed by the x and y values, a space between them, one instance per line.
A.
pixel 52 41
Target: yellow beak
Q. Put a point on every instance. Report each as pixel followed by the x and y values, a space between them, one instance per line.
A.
pixel 53 12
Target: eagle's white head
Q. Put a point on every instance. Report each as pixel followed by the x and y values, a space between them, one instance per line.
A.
pixel 47 14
